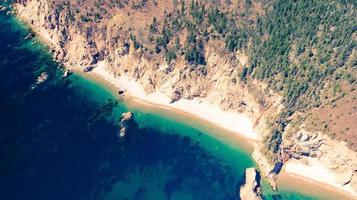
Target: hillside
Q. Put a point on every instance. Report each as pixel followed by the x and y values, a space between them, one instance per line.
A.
pixel 290 66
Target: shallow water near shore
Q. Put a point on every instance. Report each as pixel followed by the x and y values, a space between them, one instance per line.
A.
pixel 59 140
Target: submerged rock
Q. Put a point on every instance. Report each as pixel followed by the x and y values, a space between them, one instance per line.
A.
pixel 251 189
pixel 122 132
pixel 42 78
pixel 125 122
pixel 2 8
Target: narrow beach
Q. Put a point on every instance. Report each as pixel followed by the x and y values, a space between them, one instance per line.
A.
pixel 234 122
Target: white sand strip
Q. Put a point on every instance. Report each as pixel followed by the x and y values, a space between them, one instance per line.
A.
pixel 315 171
pixel 235 122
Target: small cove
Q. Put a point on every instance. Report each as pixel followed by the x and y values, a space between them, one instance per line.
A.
pixel 59 141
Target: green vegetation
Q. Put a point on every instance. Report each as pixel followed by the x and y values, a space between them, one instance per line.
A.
pixel 318 35
pixel 135 41
pixel 194 56
pixel 307 42
pixel 195 20
pixel 243 74
pixel 154 26
pixel 169 56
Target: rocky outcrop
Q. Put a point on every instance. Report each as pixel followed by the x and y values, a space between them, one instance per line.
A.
pixel 265 166
pixel 3 8
pixel 125 123
pixel 251 189
pixel 333 156
pixel 177 95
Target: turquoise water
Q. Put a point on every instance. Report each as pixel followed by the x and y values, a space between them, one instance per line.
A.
pixel 59 140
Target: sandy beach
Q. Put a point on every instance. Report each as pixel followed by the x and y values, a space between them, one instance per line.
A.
pixel 298 183
pixel 316 172
pixel 233 122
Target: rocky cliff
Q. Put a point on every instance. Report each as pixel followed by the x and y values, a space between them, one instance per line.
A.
pixel 81 36
pixel 319 156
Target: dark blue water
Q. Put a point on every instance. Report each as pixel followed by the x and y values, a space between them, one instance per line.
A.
pixel 59 140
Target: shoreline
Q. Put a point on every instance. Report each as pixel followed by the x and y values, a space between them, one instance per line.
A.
pixel 310 187
pixel 233 122
pixel 186 108
pixel 132 102
pixel 314 172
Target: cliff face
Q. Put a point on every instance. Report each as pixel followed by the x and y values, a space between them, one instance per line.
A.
pixel 76 44
pixel 80 39
pixel 321 157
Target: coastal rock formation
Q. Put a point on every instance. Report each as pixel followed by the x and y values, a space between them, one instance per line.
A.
pixel 251 189
pixel 265 166
pixel 318 152
pixel 125 123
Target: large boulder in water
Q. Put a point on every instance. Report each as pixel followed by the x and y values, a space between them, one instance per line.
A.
pixel 251 189
pixel 125 123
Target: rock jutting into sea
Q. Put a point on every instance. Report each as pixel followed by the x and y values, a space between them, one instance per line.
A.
pixel 251 189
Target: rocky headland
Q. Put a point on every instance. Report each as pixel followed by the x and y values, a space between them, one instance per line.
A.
pixel 251 189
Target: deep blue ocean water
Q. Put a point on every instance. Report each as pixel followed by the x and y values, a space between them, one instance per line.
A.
pixel 59 140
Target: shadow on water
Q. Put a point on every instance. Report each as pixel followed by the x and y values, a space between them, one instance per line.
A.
pixel 59 140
